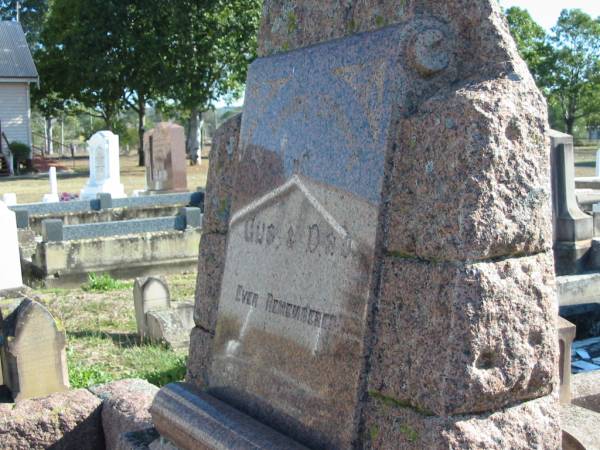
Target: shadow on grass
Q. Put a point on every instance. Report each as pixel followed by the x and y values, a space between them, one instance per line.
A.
pixel 585 164
pixel 125 340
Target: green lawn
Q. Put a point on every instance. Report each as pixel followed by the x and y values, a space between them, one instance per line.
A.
pixel 102 340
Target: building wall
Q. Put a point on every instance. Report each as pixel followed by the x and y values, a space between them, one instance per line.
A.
pixel 15 111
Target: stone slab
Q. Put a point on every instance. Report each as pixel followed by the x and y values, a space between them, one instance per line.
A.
pixel 534 424
pixel 464 312
pixel 120 228
pixel 295 285
pixel 210 423
pixel 125 408
pixel 62 421
pixel 578 289
pixel 171 326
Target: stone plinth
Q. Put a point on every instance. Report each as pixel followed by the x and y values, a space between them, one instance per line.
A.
pixel 165 158
pixel 387 199
pixel 105 177
pixel 10 263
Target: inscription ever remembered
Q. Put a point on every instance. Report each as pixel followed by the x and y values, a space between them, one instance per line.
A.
pixel 293 305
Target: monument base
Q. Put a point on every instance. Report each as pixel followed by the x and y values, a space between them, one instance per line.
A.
pixel 192 419
pixel 91 192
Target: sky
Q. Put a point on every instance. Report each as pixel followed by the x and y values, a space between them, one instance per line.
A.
pixel 546 12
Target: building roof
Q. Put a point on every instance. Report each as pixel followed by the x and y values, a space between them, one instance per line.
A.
pixel 16 62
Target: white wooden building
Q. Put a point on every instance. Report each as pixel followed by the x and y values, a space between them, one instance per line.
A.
pixel 17 72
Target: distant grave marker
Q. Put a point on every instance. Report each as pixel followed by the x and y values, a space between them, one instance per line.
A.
pixel 105 175
pixel 10 262
pixel 165 158
pixel 149 294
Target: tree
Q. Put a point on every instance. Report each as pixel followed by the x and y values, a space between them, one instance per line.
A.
pixel 32 14
pixel 531 40
pixel 78 56
pixel 574 75
pixel 210 46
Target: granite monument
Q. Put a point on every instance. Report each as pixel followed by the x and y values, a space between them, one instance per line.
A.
pixel 384 195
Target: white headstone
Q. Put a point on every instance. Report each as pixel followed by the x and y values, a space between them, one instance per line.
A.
pixel 52 197
pixel 10 199
pixel 105 177
pixel 598 163
pixel 10 262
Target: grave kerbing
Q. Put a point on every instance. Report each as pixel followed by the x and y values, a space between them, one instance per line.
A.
pixel 396 179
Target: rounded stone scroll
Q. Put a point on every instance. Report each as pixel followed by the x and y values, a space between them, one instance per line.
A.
pixel 429 53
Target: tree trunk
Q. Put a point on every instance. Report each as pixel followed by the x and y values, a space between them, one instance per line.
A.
pixel 49 136
pixel 193 141
pixel 570 124
pixel 141 129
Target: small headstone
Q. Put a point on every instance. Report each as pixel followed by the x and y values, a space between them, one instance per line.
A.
pixel 10 199
pixel 165 158
pixel 52 197
pixel 34 359
pixel 171 326
pixel 149 294
pixel 104 167
pixel 10 262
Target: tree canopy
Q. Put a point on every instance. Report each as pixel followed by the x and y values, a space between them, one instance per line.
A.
pixel 113 55
pixel 565 62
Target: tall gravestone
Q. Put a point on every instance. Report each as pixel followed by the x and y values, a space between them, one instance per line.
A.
pixel 10 262
pixel 377 240
pixel 105 175
pixel 165 158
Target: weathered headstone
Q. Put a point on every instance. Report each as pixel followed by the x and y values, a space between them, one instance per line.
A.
pixel 52 197
pixel 10 262
pixel 171 326
pixel 34 360
pixel 105 177
pixel 165 158
pixel 388 198
pixel 149 294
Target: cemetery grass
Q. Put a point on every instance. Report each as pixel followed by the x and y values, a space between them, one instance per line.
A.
pixel 585 161
pixel 102 340
pixel 132 176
